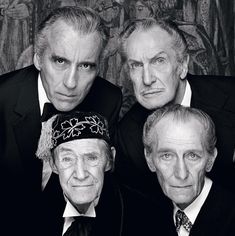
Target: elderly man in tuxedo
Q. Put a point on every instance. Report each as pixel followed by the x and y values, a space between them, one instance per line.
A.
pixel 90 201
pixel 157 60
pixel 64 76
pixel 179 147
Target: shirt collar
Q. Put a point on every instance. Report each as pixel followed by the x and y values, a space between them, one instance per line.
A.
pixel 70 212
pixel 193 209
pixel 41 94
pixel 187 95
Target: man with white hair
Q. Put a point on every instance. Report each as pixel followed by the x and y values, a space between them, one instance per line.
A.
pixel 179 147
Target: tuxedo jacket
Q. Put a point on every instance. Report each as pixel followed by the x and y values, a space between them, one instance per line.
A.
pixel 121 211
pixel 20 128
pixel 217 215
pixel 213 94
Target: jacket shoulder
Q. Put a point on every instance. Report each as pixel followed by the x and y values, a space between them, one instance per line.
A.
pixel 10 83
pixel 221 81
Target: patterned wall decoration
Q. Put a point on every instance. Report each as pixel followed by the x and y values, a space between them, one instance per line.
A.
pixel 208 26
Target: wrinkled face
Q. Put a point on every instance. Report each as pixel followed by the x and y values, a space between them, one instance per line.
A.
pixel 80 165
pixel 156 75
pixel 68 65
pixel 180 159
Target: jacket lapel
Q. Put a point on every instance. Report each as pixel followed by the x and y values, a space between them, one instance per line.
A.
pixel 27 127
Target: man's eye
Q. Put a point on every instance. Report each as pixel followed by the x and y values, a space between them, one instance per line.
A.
pixel 92 158
pixel 135 65
pixel 192 156
pixel 159 60
pixel 67 159
pixel 86 66
pixel 60 61
pixel 166 156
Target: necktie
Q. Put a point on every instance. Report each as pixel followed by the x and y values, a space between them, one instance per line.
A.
pixel 48 111
pixel 81 226
pixel 182 219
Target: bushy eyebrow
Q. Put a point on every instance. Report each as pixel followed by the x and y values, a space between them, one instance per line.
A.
pixel 161 53
pixel 55 57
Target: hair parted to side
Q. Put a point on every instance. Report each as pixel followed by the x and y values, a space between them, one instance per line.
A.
pixel 181 114
pixel 179 43
pixel 82 19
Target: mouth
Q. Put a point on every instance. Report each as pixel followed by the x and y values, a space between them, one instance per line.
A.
pixel 181 187
pixel 66 96
pixel 82 185
pixel 151 92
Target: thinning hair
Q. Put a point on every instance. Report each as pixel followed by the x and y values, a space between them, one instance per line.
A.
pixel 82 19
pixel 179 43
pixel 181 114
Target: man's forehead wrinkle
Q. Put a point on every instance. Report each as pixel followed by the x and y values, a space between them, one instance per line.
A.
pixel 178 140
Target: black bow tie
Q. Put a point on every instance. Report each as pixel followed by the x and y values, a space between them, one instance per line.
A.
pixel 48 111
pixel 81 226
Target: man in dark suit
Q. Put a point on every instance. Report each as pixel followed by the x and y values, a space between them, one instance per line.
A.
pixel 90 201
pixel 179 147
pixel 157 58
pixel 68 46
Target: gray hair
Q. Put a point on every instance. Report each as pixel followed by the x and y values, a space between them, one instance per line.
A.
pixel 183 114
pixel 83 19
pixel 179 43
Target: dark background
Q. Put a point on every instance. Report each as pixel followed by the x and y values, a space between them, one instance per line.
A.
pixel 208 26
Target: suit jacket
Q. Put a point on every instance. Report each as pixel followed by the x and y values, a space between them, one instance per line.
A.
pixel 121 211
pixel 20 128
pixel 214 95
pixel 217 215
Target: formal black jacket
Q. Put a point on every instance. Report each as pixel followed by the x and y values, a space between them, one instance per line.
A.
pixel 213 94
pixel 121 211
pixel 217 215
pixel 20 127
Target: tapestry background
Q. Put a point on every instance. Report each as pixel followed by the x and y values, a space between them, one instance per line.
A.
pixel 208 26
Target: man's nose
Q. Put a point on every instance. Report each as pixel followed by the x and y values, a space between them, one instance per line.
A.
pixel 148 76
pixel 181 169
pixel 71 78
pixel 80 170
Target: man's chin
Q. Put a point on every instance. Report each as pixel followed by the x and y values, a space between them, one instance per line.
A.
pixel 65 107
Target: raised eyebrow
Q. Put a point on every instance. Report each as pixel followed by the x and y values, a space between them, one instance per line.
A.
pixel 64 149
pixel 91 154
pixel 199 152
pixel 56 57
pixel 92 64
pixel 164 150
pixel 162 53
pixel 134 61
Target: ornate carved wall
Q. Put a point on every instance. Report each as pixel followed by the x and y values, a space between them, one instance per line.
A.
pixel 208 26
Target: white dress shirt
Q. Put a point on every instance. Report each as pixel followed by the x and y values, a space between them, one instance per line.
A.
pixel 187 95
pixel 194 208
pixel 46 170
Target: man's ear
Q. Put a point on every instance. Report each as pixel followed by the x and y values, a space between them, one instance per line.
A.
pixel 211 160
pixel 52 164
pixel 36 61
pixel 111 161
pixel 184 67
pixel 149 161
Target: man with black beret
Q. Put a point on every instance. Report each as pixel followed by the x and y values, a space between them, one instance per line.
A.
pixel 90 201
